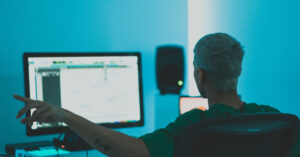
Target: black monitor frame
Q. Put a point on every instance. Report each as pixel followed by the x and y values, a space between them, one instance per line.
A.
pixel 54 130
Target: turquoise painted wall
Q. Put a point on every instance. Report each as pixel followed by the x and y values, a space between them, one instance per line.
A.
pixel 269 31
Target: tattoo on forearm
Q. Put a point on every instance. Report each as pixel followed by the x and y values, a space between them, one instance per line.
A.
pixel 100 145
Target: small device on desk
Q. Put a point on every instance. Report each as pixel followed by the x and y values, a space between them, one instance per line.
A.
pixel 53 152
pixel 188 103
pixel 11 149
pixel 46 149
pixel 34 149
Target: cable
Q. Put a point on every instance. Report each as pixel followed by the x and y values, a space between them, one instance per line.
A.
pixel 56 141
pixel 57 151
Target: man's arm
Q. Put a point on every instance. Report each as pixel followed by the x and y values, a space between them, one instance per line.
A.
pixel 107 141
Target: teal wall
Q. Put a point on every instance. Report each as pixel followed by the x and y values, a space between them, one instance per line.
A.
pixel 83 26
pixel 269 31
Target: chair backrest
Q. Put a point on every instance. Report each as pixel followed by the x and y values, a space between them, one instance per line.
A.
pixel 255 134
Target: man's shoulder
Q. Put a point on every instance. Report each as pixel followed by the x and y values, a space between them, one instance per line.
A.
pixel 254 107
pixel 190 116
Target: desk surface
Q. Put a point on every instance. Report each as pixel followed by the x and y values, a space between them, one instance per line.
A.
pixel 53 152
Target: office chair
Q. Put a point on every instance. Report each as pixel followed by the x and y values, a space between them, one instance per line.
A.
pixel 244 135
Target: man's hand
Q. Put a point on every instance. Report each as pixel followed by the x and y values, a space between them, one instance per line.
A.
pixel 44 112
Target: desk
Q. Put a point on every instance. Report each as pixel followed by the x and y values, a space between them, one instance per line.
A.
pixel 52 152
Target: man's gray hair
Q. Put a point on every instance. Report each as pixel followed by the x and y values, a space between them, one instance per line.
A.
pixel 220 57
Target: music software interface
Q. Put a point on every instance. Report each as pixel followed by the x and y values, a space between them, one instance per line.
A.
pixel 102 89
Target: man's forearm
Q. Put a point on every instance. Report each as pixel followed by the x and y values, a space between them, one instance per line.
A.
pixel 109 142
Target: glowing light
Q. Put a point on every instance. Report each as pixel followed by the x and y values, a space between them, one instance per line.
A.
pixel 180 82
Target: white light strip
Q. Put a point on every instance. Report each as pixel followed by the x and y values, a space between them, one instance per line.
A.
pixel 201 21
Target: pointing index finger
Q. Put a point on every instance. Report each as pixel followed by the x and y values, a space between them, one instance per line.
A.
pixel 23 99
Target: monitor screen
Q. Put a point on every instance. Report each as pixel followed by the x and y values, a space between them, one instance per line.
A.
pixel 104 88
pixel 187 103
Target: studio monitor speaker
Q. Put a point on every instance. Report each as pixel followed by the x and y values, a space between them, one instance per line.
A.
pixel 169 68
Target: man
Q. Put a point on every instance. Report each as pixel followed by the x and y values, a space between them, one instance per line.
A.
pixel 217 66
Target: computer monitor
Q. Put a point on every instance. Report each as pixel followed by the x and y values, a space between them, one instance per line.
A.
pixel 105 88
pixel 187 103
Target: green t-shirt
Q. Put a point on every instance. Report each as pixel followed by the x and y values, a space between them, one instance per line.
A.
pixel 161 142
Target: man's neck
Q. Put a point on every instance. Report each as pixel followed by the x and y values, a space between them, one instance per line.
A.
pixel 229 98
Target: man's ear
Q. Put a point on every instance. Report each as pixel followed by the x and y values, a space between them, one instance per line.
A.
pixel 199 74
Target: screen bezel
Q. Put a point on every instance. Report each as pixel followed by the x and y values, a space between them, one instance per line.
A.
pixel 193 97
pixel 54 130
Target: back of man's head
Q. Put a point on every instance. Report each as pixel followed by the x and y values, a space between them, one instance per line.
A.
pixel 220 57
